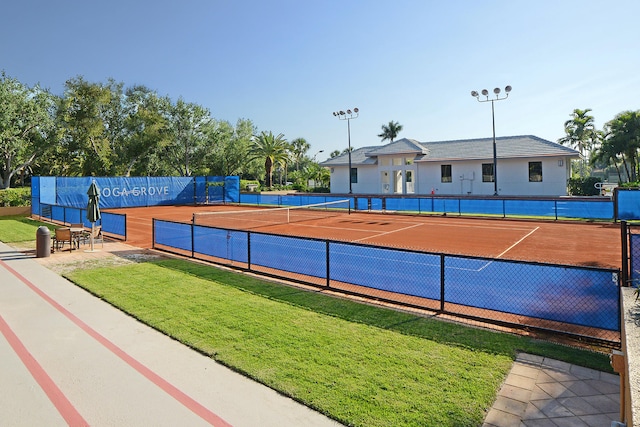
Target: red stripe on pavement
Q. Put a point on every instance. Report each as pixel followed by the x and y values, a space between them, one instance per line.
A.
pixel 167 387
pixel 55 395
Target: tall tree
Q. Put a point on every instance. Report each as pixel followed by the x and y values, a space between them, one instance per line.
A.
pixel 299 148
pixel 390 131
pixel 146 130
pixel 190 129
pixel 580 132
pixel 607 154
pixel 625 137
pixel 271 148
pixel 231 145
pixel 86 146
pixel 25 125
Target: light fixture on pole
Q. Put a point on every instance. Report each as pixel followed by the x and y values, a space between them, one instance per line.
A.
pixel 348 115
pixel 485 93
pixel 314 156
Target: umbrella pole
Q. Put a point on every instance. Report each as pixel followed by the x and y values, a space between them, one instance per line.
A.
pixel 92 231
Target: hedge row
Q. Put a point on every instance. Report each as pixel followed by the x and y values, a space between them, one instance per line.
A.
pixel 12 197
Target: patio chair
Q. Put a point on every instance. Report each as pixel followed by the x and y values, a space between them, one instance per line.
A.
pixel 96 233
pixel 80 236
pixel 62 236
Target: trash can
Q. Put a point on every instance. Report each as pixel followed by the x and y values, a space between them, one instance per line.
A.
pixel 43 242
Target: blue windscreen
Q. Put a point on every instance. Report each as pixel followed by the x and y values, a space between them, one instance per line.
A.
pixel 221 243
pixel 403 272
pixel 172 234
pixel 579 296
pixel 297 255
pixel 628 204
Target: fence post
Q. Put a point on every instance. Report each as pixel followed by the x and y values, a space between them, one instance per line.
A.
pixel 193 240
pixel 441 282
pixel 624 234
pixel 327 263
pixel 249 250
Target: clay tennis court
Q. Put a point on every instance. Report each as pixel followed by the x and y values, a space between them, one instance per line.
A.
pixel 573 243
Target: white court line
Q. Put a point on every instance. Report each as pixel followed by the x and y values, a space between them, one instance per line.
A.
pixel 459 223
pixel 388 232
pixel 511 247
pixel 518 242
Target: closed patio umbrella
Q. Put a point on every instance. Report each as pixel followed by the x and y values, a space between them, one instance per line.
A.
pixel 93 208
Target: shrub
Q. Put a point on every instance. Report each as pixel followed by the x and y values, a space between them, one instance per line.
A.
pixel 321 190
pixel 15 197
pixel 584 186
pixel 244 183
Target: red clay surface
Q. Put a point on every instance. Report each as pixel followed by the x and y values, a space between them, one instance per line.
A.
pixel 589 244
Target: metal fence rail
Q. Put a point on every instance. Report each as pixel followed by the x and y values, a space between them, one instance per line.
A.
pixel 112 223
pixel 553 208
pixel 581 302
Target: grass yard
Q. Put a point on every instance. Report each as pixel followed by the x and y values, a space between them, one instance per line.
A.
pixel 19 228
pixel 359 364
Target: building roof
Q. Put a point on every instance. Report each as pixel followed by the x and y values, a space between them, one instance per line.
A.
pixel 507 147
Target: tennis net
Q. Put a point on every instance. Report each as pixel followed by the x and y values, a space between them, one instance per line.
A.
pixel 264 217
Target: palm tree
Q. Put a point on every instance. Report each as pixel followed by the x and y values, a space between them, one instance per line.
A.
pixel 579 133
pixel 299 148
pixel 607 153
pixel 273 149
pixel 390 131
pixel 625 136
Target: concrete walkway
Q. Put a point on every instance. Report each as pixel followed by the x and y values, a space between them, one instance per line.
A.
pixel 68 358
pixel 546 392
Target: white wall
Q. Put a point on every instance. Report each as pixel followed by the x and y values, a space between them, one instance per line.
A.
pixel 513 178
pixel 512 174
pixel 368 180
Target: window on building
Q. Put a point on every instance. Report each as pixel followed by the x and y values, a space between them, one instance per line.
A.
pixel 445 173
pixel 385 161
pixel 354 175
pixel 397 161
pixel 535 171
pixel 408 161
pixel 487 172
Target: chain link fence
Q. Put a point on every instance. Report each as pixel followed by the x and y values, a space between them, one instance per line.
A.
pixel 579 302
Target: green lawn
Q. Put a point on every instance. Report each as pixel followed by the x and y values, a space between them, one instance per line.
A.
pixel 20 228
pixel 361 365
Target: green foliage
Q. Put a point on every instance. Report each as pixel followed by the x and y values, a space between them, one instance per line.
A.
pixel 14 229
pixel 26 123
pixel 273 149
pixel 244 184
pixel 321 190
pixel 15 197
pixel 630 184
pixel 584 186
pixel 390 131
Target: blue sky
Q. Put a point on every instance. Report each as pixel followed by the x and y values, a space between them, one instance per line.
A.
pixel 287 65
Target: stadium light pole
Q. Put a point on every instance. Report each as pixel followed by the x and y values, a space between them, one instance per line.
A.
pixel 485 92
pixel 348 116
pixel 314 156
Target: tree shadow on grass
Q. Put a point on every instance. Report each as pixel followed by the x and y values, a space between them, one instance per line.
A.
pixel 402 322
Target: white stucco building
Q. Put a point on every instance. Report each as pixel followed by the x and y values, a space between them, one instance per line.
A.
pixel 526 166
